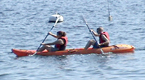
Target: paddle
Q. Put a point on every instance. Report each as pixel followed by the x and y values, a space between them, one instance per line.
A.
pixel 109 16
pixel 92 34
pixel 46 36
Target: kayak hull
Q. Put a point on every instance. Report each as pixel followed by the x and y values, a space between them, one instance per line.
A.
pixel 121 48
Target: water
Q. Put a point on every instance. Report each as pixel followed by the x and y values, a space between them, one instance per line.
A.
pixel 24 24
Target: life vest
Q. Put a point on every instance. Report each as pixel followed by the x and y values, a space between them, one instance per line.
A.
pixel 100 37
pixel 63 46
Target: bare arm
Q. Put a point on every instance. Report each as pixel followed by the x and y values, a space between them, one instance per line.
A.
pixel 105 39
pixel 53 35
pixel 59 41
pixel 96 34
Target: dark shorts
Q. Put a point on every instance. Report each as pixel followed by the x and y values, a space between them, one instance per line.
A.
pixel 95 46
pixel 54 49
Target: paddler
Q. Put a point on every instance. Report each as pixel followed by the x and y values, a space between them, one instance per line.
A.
pixel 104 39
pixel 59 44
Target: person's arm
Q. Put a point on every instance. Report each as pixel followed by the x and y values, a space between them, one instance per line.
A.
pixel 105 39
pixel 59 41
pixel 52 34
pixel 96 34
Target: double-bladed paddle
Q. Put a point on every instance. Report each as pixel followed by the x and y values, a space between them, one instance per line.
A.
pixel 92 34
pixel 46 36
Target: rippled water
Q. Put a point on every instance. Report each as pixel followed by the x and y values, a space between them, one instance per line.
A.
pixel 24 24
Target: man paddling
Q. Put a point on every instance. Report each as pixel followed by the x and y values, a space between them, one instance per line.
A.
pixel 60 43
pixel 104 39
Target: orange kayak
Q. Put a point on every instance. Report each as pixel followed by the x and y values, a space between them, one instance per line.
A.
pixel 120 48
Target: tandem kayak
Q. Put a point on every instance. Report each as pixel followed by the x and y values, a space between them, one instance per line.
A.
pixel 120 48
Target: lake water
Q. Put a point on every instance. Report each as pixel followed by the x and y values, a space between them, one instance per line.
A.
pixel 24 24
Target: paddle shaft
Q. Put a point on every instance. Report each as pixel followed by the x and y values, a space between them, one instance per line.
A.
pixel 92 34
pixel 47 35
pixel 44 38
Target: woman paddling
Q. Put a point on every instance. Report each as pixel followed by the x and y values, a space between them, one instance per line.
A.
pixel 103 39
pixel 60 43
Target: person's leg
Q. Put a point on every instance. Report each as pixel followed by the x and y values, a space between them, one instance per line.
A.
pixel 47 47
pixel 41 49
pixel 95 46
pixel 91 42
pixel 54 49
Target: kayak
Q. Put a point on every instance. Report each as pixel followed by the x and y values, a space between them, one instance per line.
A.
pixel 120 48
